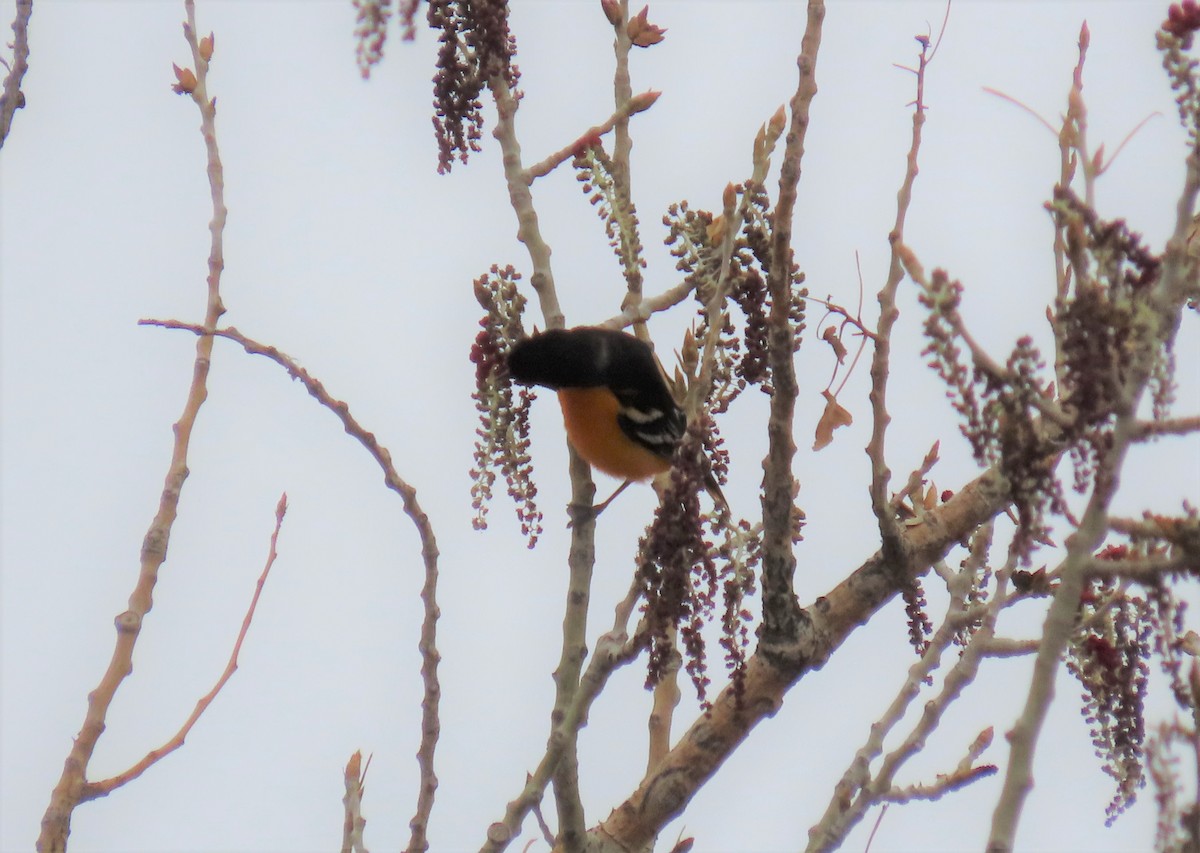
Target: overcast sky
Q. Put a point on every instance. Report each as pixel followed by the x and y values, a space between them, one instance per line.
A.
pixel 345 249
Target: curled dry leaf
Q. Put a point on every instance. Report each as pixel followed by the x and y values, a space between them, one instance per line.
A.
pixel 831 337
pixel 833 417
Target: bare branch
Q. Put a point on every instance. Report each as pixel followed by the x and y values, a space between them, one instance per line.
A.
pixel 1144 569
pixel 517 178
pixel 782 618
pixel 103 788
pixel 772 671
pixel 858 790
pixel 1169 293
pixel 430 725
pixel 889 524
pixel 612 652
pixel 1170 426
pixel 56 822
pixel 631 106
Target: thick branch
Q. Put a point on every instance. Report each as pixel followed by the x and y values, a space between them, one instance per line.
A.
pixel 782 618
pixel 770 673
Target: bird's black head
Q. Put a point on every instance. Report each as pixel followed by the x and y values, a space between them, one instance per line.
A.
pixel 577 358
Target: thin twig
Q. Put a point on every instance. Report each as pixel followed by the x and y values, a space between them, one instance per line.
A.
pixel 1023 106
pixel 771 671
pixel 430 725
pixel 889 524
pixel 1145 569
pixel 56 822
pixel 858 790
pixel 612 652
pixel 517 179
pixel 1169 426
pixel 92 790
pixel 547 834
pixel 620 116
pixel 781 611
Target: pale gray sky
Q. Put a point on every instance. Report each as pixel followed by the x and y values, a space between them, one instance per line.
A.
pixel 345 249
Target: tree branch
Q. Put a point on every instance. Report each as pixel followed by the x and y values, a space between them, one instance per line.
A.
pixel 782 619
pixel 430 657
pixel 56 822
pixel 92 790
pixel 885 515
pixel 770 673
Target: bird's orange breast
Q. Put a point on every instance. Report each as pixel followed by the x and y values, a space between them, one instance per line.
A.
pixel 590 417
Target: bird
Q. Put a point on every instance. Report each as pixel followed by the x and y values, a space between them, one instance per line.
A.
pixel 617 405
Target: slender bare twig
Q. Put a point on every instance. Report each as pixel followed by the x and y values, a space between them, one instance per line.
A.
pixel 649 306
pixel 1016 103
pixel 1144 569
pixel 1170 426
pixel 1183 532
pixel 622 146
pixel 858 789
pixel 662 710
pixel 781 611
pixel 889 524
pixel 103 788
pixel 517 178
pixel 1006 647
pixel 12 98
pixel 430 725
pixel 612 652
pixel 56 822
pixel 547 833
pixel 625 109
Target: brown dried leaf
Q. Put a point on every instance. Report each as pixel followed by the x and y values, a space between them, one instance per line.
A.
pixel 833 417
pixel 831 337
